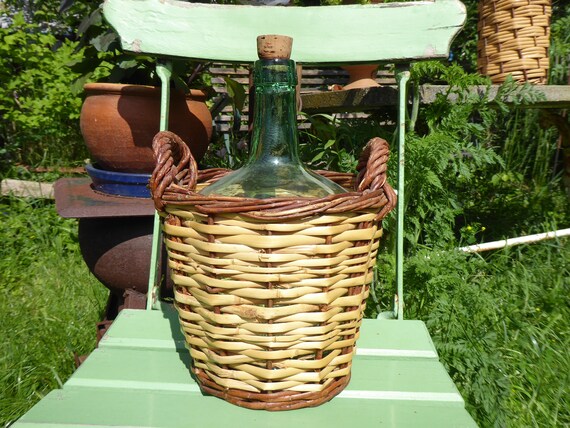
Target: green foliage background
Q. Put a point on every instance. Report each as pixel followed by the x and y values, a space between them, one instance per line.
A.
pixel 38 111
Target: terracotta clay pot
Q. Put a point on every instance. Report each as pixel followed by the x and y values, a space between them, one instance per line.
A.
pixel 361 76
pixel 117 250
pixel 119 121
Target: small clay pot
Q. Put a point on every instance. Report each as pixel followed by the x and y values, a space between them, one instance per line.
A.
pixel 361 76
pixel 117 250
pixel 118 123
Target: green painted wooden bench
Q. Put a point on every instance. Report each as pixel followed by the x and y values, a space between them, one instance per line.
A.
pixel 139 375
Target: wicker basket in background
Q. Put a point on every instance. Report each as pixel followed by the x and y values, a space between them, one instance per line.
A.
pixel 514 39
pixel 270 292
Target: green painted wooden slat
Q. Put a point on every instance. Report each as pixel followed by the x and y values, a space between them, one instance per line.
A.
pixel 136 408
pixel 335 34
pixel 160 329
pixel 372 377
pixel 139 364
pixel 145 329
pixel 406 339
pixel 137 377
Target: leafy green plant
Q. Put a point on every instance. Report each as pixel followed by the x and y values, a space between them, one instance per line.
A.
pixel 497 323
pixel 447 147
pixel 560 45
pixel 335 144
pixel 39 114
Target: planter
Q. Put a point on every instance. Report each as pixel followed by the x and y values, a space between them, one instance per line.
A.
pixel 117 251
pixel 119 121
pixel 116 183
pixel 361 76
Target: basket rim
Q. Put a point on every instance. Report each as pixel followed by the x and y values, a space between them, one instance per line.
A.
pixel 176 176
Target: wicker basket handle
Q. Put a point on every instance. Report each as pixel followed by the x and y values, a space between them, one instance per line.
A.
pixel 175 165
pixel 373 165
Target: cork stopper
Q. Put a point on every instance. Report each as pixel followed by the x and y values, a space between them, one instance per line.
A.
pixel 273 46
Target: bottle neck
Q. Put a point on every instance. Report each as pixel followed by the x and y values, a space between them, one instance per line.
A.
pixel 274 138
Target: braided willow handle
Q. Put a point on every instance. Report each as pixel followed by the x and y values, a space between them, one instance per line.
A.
pixel 174 165
pixel 176 175
pixel 373 165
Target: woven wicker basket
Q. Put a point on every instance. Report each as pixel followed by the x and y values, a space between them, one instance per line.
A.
pixel 514 37
pixel 270 292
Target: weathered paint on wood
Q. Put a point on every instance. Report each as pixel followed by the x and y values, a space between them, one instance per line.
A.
pixel 548 96
pixel 392 32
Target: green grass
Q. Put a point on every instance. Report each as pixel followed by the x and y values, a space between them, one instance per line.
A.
pixel 49 304
pixel 501 324
pixel 504 333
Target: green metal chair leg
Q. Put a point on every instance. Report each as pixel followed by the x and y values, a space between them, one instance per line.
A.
pixel 164 71
pixel 402 76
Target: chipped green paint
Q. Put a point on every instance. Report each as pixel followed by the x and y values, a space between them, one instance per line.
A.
pixel 395 32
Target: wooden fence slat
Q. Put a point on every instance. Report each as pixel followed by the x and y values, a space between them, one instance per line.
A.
pixel 26 189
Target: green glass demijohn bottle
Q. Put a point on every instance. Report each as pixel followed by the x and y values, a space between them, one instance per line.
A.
pixel 274 169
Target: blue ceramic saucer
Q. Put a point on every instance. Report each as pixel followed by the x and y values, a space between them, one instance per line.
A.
pixel 119 183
